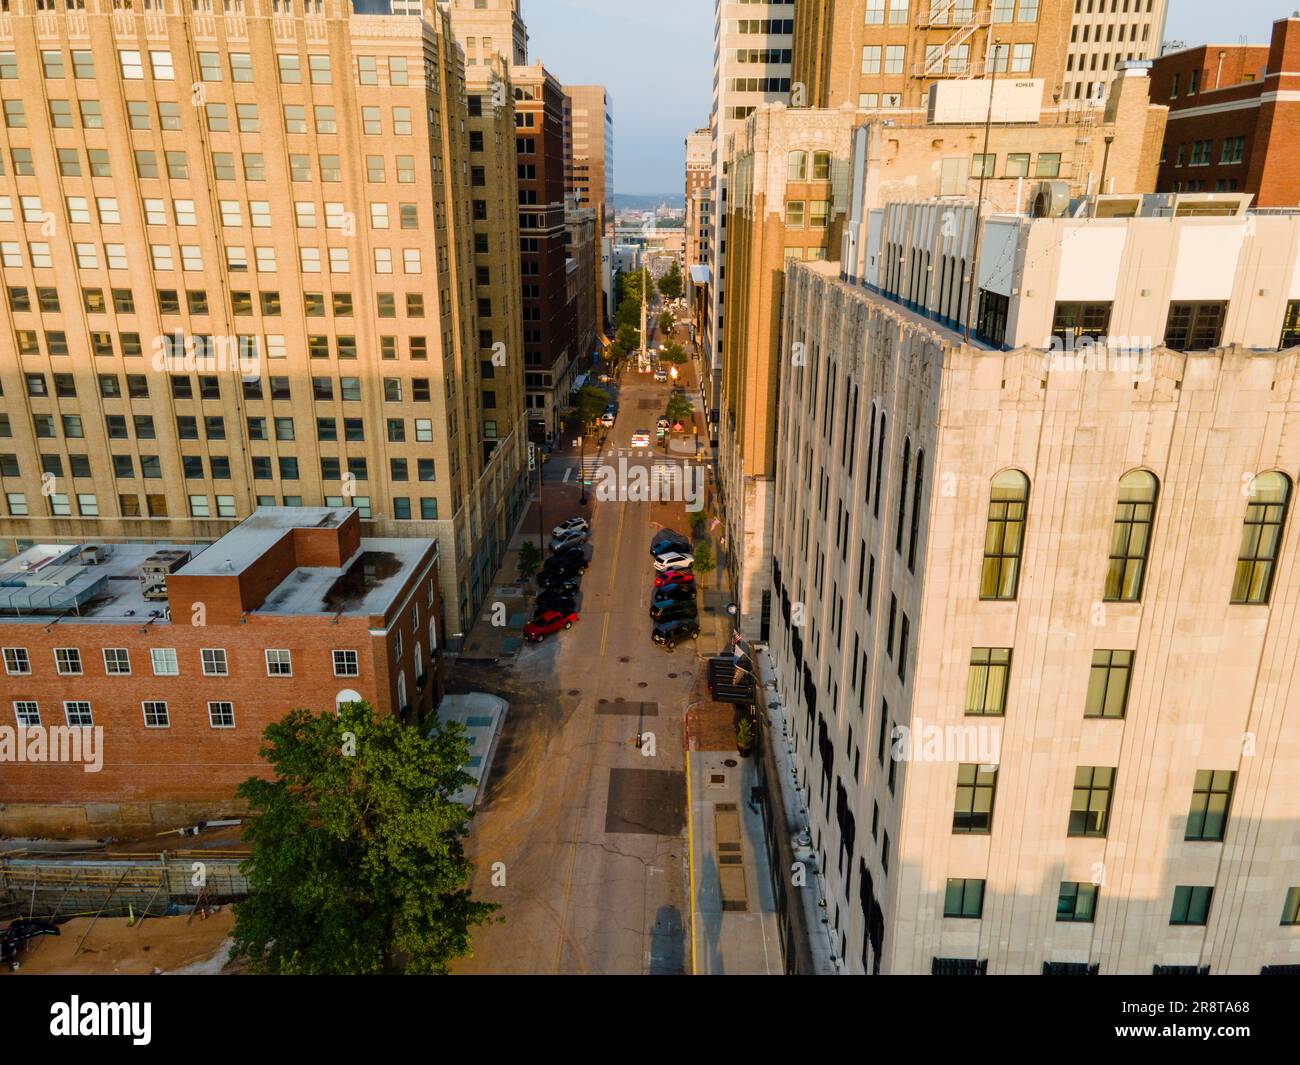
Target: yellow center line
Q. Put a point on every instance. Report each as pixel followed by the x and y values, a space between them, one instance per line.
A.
pixel 618 544
pixel 604 633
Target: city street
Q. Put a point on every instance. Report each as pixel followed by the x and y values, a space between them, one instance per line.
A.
pixel 582 838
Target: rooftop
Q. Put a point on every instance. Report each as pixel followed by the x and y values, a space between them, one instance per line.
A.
pixel 107 583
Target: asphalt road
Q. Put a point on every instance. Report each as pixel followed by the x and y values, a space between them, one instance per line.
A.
pixel 588 831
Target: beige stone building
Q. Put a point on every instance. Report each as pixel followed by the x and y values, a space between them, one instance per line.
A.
pixel 1103 35
pixel 286 195
pixel 488 28
pixel 589 177
pixel 1034 614
pixel 798 174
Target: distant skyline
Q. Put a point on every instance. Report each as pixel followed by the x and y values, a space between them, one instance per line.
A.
pixel 656 60
pixel 657 63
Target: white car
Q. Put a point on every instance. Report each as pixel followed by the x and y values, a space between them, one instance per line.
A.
pixel 641 438
pixel 674 560
pixel 661 375
pixel 570 526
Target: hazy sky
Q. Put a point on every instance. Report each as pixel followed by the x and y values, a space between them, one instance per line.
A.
pixel 656 59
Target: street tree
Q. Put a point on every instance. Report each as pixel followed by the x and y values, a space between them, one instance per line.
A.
pixel 530 557
pixel 670 285
pixel 666 323
pixel 704 563
pixel 591 403
pixel 674 353
pixel 679 409
pixel 357 863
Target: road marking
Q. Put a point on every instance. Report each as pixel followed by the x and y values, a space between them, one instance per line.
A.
pixel 604 632
pixel 690 838
pixel 618 544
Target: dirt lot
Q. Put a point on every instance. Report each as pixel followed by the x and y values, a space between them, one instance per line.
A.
pixel 160 944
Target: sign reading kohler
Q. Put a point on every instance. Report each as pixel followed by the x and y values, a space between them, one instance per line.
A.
pixel 1014 100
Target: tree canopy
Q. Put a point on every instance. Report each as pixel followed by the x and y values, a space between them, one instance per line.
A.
pixel 357 865
pixel 670 285
pixel 591 403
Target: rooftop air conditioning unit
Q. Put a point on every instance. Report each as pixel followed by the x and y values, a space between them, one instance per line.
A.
pixel 1049 199
pixel 154 571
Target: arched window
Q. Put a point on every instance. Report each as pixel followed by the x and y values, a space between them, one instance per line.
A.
pixel 821 170
pixel 902 495
pixel 1130 537
pixel 916 509
pixel 797 166
pixel 347 695
pixel 1261 536
pixel 1005 536
pixel 401 691
pixel 419 662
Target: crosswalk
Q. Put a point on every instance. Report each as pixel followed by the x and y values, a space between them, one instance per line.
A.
pixel 662 467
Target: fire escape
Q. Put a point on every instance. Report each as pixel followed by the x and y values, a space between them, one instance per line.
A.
pixel 961 19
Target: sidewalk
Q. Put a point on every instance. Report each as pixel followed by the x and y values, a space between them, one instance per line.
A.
pixel 734 928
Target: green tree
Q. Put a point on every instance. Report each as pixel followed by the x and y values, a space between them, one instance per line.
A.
pixel 628 337
pixel 670 285
pixel 357 865
pixel 673 352
pixel 704 562
pixel 666 323
pixel 679 409
pixel 591 403
pixel 530 557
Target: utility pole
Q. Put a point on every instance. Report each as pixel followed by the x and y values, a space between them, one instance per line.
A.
pixel 979 206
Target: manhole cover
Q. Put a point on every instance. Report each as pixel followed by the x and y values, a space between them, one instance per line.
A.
pixel 730 763
pixel 643 684
pixel 625 659
pixel 672 676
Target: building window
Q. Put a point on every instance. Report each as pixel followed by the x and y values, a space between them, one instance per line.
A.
pixel 1108 684
pixel 1290 326
pixel 1130 538
pixel 1071 321
pixel 1261 536
pixel 1191 905
pixel 117 661
pixel 964 898
pixel 973 809
pixel 1004 538
pixel 77 714
pixel 67 661
pixel 221 715
pixel 164 662
pixel 279 663
pixel 1090 803
pixel 155 715
pixel 991 322
pixel 1195 326
pixel 1207 819
pixel 1076 902
pixel 17 663
pixel 214 662
pixel 986 687
pixel 346 664
pixel 28 715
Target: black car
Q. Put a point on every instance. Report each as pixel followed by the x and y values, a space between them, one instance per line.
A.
pixel 560 602
pixel 672 610
pixel 671 633
pixel 674 593
pixel 563 583
pixel 566 562
pixel 572 551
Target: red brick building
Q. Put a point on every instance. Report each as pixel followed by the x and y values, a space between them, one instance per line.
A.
pixel 178 675
pixel 1234 118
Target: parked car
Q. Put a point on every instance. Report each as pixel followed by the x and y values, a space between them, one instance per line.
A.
pixel 661 376
pixel 672 610
pixel 674 560
pixel 566 560
pixel 675 578
pixel 572 525
pixel 665 547
pixel 563 583
pixel 641 438
pixel 551 621
pixel 676 593
pixel 671 633
pixel 551 600
pixel 575 538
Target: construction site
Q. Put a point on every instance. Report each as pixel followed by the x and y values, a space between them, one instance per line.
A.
pixel 133 907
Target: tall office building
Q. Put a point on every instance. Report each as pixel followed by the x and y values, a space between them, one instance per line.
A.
pixel 589 175
pixel 487 28
pixel 1106 33
pixel 751 66
pixel 698 183
pixel 1034 629
pixel 285 197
